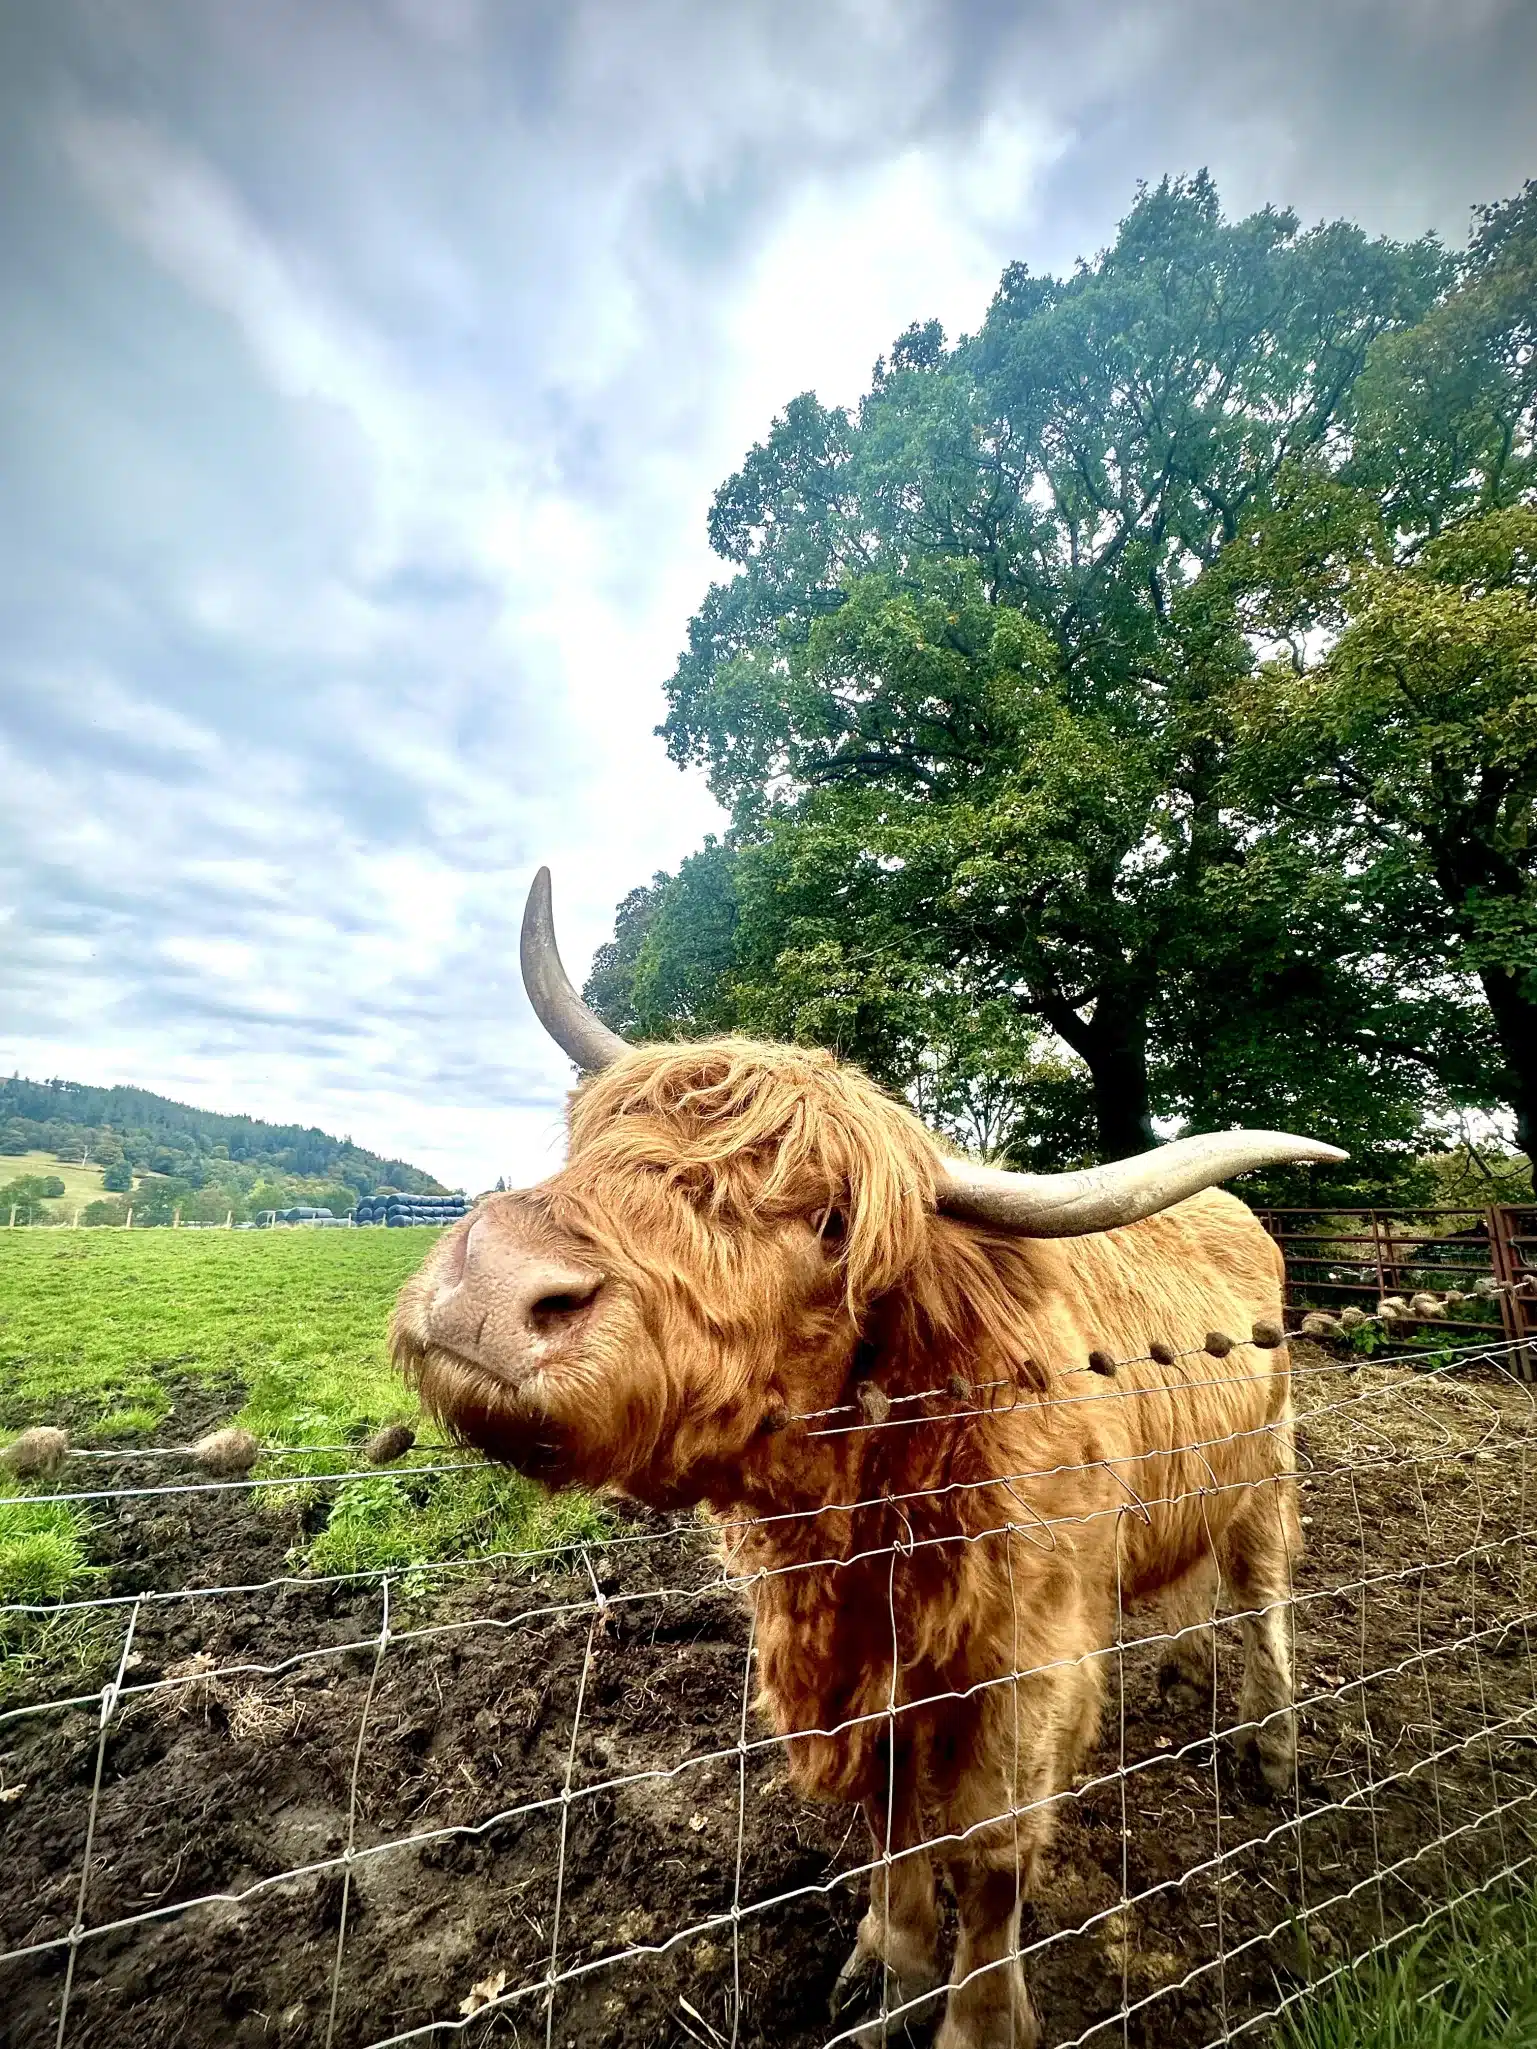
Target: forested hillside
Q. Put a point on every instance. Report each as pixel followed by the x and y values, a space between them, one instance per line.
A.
pixel 162 1154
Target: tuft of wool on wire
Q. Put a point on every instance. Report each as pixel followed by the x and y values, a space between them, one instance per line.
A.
pixel 875 1402
pixel 1219 1344
pixel 36 1454
pixel 1267 1335
pixel 388 1444
pixel 227 1453
pixel 1317 1325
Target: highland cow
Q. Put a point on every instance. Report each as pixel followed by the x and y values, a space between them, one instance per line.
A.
pixel 760 1284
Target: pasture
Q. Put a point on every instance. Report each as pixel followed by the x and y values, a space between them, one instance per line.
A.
pixel 361 1785
pixel 81 1184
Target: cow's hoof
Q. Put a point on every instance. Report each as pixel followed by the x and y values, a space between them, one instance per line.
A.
pixel 911 2007
pixel 1180 1691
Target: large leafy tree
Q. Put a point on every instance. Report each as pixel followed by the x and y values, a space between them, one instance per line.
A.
pixel 979 691
pixel 1401 752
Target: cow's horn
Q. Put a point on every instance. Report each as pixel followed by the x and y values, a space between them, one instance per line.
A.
pixel 1099 1198
pixel 578 1032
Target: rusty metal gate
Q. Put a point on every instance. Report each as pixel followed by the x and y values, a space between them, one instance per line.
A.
pixel 1336 1257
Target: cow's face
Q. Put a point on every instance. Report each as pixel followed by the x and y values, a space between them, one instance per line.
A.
pixel 698 1269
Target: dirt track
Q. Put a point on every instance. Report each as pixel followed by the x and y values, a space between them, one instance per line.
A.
pixel 219 1786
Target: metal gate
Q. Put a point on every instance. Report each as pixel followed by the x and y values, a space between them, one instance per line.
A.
pixel 1336 1257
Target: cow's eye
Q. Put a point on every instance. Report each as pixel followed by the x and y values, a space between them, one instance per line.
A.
pixel 834 1227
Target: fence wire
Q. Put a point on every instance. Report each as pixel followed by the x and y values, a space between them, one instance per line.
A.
pixel 1180 1896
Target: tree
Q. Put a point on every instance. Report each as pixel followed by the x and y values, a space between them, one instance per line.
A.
pixel 1409 756
pixel 966 694
pixel 118 1178
pixel 1402 753
pixel 24 1197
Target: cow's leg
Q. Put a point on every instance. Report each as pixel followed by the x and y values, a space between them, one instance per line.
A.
pixel 989 2005
pixel 1261 1547
pixel 1033 1736
pixel 1186 1675
pixel 895 1955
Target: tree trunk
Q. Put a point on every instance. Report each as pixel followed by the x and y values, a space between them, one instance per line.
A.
pixel 1112 1044
pixel 1115 1048
pixel 1515 1022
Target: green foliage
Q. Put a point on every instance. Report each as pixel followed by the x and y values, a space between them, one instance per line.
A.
pixel 27 1197
pixel 118 1178
pixel 1011 806
pixel 1468 1983
pixel 1407 758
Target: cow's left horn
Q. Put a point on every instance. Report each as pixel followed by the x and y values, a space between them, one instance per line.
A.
pixel 1099 1198
pixel 578 1031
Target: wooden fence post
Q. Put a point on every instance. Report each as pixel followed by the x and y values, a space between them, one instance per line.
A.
pixel 128 1220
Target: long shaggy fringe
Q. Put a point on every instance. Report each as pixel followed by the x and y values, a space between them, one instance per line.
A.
pixel 751 1131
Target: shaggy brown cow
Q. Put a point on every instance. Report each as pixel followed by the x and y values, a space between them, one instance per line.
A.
pixel 746 1236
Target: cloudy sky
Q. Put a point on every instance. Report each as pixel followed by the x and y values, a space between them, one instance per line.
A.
pixel 368 366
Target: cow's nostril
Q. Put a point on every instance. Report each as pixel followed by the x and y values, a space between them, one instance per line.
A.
pixel 552 1311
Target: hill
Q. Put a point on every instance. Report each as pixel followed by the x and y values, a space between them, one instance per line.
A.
pixel 242 1159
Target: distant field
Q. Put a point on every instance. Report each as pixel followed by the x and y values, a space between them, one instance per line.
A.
pixel 102 1327
pixel 81 1184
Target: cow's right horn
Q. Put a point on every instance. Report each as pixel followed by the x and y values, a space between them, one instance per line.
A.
pixel 578 1031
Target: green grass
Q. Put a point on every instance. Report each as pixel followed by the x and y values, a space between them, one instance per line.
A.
pixel 104 1331
pixel 1470 1982
pixel 401 1522
pixel 43 1551
pixel 102 1323
pixel 81 1184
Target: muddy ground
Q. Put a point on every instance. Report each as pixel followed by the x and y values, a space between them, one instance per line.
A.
pixel 241 1785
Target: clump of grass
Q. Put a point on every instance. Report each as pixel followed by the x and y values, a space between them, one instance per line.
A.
pixel 43 1554
pixel 1469 1983
pixel 45 1557
pixel 392 1521
pixel 136 1420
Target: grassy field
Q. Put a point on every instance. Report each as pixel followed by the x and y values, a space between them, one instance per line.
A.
pixel 116 1335
pixel 81 1184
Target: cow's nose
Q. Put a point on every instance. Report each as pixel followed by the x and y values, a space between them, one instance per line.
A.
pixel 543 1295
pixel 498 1302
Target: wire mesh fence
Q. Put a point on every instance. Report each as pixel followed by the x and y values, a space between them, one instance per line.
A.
pixel 530 1799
